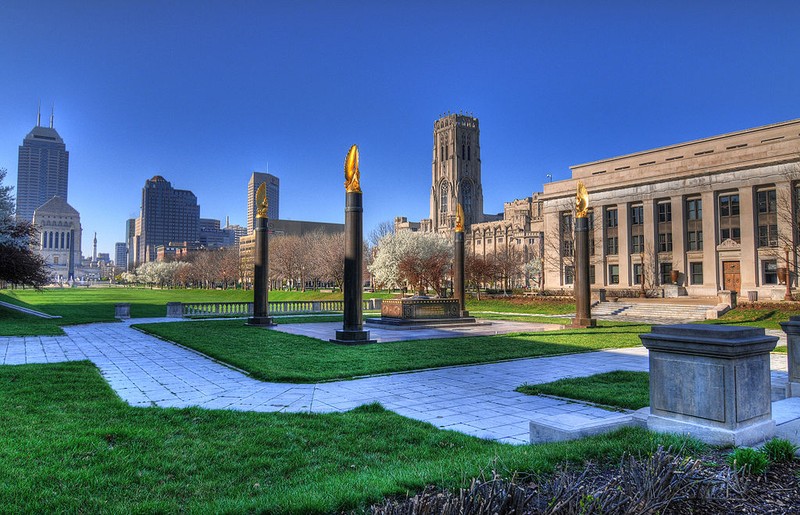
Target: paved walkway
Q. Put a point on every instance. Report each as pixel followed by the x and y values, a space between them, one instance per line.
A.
pixel 478 400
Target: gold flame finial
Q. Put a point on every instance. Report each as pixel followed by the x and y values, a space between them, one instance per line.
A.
pixel 459 218
pixel 351 172
pixel 261 201
pixel 581 201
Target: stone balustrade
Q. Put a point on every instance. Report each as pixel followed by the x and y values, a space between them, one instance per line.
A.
pixel 234 309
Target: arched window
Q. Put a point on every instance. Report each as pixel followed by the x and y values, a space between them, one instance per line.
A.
pixel 469 153
pixel 62 241
pixel 443 197
pixel 463 152
pixel 441 153
pixel 50 243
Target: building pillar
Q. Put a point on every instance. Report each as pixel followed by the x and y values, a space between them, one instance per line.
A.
pixel 650 263
pixel 711 276
pixel 679 239
pixel 624 251
pixel 458 274
pixel 71 258
pixel 748 262
pixel 582 288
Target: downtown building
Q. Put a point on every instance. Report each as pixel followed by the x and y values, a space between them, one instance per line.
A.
pixel 167 215
pixel 273 197
pixel 42 169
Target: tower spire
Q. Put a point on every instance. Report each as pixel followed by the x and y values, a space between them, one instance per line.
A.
pixel 52 114
pixel 39 114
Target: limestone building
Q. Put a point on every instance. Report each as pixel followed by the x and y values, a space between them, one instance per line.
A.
pixel 42 169
pixel 716 213
pixel 59 226
pixel 456 173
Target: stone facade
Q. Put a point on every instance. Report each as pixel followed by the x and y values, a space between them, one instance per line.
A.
pixel 717 211
pixel 59 226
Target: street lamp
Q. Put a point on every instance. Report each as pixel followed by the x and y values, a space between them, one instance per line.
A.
pixel 788 295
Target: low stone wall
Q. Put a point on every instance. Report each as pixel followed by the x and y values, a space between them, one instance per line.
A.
pixel 420 309
pixel 230 309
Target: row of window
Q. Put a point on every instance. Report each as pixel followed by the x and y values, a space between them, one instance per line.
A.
pixel 769 273
pixel 55 240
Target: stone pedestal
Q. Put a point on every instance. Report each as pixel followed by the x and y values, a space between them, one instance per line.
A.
pixel 671 291
pixel 122 311
pixel 174 309
pixel 792 330
pixel 712 382
pixel 727 297
pixel 261 275
pixel 352 332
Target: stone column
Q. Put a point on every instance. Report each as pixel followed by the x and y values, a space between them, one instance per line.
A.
pixel 624 254
pixel 583 308
pixel 261 275
pixel 352 332
pixel 679 240
pixel 792 330
pixel 71 260
pixel 748 262
pixel 712 280
pixel 458 274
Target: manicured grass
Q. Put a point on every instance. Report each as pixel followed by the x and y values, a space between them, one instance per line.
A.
pixel 14 323
pixel 533 305
pixel 767 316
pixel 86 305
pixel 68 444
pixel 782 350
pixel 274 356
pixel 628 390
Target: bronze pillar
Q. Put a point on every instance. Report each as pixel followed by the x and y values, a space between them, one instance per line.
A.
pixel 261 276
pixel 458 274
pixel 583 305
pixel 352 332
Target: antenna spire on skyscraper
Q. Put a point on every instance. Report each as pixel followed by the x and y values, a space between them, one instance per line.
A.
pixel 39 114
pixel 52 114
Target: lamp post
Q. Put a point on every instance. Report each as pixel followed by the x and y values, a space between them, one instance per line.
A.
pixel 788 295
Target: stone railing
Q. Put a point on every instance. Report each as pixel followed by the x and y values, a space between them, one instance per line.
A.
pixel 231 309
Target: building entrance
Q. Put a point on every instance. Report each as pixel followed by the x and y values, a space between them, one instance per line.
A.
pixel 731 276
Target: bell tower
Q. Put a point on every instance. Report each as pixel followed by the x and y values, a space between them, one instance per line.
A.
pixel 456 171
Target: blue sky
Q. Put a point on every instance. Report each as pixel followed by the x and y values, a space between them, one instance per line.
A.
pixel 204 93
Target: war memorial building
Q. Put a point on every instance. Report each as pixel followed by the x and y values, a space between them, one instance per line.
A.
pixel 706 215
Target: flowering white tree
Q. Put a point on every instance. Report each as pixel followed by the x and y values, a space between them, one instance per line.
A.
pixel 413 258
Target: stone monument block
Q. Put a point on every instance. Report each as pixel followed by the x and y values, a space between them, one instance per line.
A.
pixel 122 311
pixel 792 330
pixel 712 382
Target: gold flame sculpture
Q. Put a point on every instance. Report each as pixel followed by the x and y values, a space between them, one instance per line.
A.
pixel 351 172
pixel 581 201
pixel 459 218
pixel 261 201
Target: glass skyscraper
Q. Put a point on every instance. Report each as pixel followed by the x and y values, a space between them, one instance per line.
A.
pixel 43 169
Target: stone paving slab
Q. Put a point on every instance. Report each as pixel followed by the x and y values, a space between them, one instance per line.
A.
pixel 478 400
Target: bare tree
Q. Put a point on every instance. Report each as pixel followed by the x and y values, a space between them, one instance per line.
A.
pixel 384 228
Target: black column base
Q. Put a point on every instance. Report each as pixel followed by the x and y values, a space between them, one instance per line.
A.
pixel 260 321
pixel 357 337
pixel 583 323
pixel 463 314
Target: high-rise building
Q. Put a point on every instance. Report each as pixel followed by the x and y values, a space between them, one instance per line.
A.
pixel 456 172
pixel 43 169
pixel 121 255
pixel 130 235
pixel 167 215
pixel 273 196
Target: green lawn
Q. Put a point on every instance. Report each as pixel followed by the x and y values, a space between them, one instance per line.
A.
pixel 14 323
pixel 68 444
pixel 627 390
pixel 274 356
pixel 532 305
pixel 768 317
pixel 85 305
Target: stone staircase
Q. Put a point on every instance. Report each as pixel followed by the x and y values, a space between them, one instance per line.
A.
pixel 658 313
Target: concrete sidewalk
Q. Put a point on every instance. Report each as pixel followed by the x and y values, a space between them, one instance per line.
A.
pixel 478 400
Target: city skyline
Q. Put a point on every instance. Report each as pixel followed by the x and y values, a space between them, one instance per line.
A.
pixel 205 96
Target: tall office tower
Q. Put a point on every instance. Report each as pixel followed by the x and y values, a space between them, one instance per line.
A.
pixel 167 215
pixel 130 235
pixel 273 197
pixel 120 256
pixel 456 172
pixel 43 169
